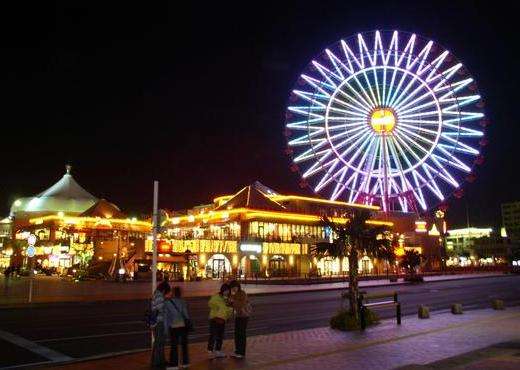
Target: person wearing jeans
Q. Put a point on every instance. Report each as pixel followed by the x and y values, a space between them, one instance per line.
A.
pixel 219 312
pixel 162 293
pixel 176 314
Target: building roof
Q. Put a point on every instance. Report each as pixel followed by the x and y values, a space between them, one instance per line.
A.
pixel 105 209
pixel 252 197
pixel 64 196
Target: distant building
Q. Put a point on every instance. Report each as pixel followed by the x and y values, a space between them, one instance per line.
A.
pixel 460 243
pixel 511 220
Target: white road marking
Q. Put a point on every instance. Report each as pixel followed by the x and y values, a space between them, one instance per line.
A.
pixel 34 347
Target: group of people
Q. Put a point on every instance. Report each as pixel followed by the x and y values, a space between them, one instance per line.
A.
pixel 172 319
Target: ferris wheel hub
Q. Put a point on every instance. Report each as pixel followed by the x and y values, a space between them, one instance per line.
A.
pixel 382 120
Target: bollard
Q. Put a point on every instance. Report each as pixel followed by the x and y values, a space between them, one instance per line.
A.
pixel 424 312
pixel 456 309
pixel 497 304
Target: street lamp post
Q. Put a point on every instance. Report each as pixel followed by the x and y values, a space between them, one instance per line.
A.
pixel 155 227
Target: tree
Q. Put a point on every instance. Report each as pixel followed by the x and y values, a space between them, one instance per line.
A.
pixel 410 261
pixel 353 238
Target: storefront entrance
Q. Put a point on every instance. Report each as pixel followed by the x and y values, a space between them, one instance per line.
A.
pixel 218 266
pixel 277 266
pixel 250 265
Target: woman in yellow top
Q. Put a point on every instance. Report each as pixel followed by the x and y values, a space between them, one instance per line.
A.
pixel 219 313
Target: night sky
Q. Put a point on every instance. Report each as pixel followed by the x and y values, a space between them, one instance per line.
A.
pixel 195 97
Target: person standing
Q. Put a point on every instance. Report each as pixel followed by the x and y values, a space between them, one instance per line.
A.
pixel 177 319
pixel 219 312
pixel 162 293
pixel 242 308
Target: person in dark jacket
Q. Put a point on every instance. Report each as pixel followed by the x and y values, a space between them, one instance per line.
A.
pixel 176 314
pixel 242 309
pixel 162 293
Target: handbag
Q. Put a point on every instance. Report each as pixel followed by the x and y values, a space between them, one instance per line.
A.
pixel 188 324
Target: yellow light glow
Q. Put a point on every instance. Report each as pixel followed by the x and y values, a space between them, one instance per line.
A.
pixel 82 220
pixel 264 260
pixel 235 260
pixel 272 215
pixel 382 120
pixel 202 258
pixel 420 226
pixel 280 198
pixel 61 214
pixel 291 260
pixel 222 199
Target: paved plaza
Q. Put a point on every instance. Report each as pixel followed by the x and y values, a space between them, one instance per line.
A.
pixel 444 339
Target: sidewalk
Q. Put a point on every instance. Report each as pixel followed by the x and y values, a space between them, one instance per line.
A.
pixel 52 290
pixel 416 344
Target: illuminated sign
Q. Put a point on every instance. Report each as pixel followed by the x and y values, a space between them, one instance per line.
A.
pixel 247 247
pixel 420 226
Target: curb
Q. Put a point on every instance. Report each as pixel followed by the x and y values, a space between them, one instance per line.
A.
pixel 312 290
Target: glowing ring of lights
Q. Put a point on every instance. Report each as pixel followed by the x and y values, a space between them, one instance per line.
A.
pixel 384 119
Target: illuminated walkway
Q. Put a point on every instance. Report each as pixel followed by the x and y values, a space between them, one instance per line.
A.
pixel 386 346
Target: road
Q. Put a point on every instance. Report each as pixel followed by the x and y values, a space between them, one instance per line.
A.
pixel 79 330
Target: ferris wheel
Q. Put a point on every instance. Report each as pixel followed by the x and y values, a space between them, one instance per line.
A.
pixel 386 118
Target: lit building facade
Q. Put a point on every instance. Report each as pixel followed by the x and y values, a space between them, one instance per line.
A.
pixel 460 246
pixel 511 220
pixel 73 228
pixel 259 232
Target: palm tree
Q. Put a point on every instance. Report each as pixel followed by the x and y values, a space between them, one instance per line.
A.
pixel 353 238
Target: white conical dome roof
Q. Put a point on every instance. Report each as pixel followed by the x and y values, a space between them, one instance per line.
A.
pixel 64 196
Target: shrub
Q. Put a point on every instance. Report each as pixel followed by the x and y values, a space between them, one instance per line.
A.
pixel 345 321
pixel 414 278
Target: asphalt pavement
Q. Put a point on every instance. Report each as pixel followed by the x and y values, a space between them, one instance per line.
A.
pixel 79 330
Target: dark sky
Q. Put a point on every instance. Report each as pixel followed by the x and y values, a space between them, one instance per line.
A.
pixel 195 96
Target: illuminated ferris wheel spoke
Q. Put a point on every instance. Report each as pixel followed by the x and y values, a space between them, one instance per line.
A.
pixel 318 85
pixel 431 113
pixel 347 112
pixel 409 150
pixel 353 140
pixel 337 63
pixel 418 128
pixel 311 98
pixel 393 123
pixel 445 76
pixel 462 131
pixel 366 99
pixel 360 108
pixel 421 138
pixel 458 146
pixel 452 160
pixel 348 55
pixel 454 87
pixel 412 95
pixel 354 145
pixel 327 74
pixel 391 87
pixel 396 89
pixel 346 125
pixel 404 92
pixel 403 112
pixel 436 64
pixel 443 173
